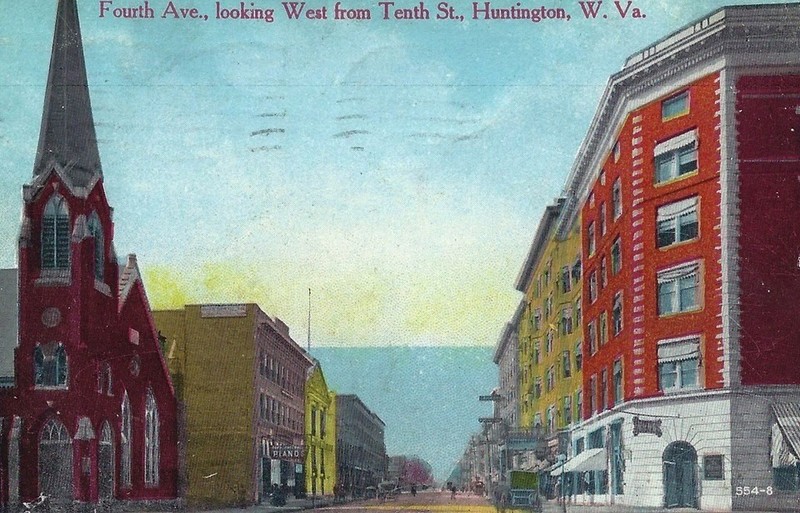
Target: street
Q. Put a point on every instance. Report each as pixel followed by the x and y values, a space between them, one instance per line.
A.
pixel 441 502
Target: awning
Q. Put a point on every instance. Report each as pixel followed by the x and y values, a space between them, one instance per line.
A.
pixel 785 435
pixel 557 469
pixel 590 459
pixel 680 141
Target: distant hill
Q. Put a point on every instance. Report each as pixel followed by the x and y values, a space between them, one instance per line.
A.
pixel 427 396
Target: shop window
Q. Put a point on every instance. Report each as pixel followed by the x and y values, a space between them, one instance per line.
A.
pixel 677 222
pixel 712 467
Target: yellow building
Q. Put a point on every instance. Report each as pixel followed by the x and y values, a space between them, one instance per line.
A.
pixel 550 330
pixel 320 434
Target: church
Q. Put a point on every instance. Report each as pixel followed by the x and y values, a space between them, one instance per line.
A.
pixel 88 413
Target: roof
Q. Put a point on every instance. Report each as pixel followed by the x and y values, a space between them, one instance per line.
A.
pixel 67 135
pixel 9 320
pixel 354 399
pixel 128 274
pixel 509 329
pixel 753 36
pixel 543 231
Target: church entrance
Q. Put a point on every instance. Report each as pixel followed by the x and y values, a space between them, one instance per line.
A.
pixel 680 475
pixel 55 461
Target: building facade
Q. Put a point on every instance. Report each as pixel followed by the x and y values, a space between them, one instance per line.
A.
pixel 89 413
pixel 506 403
pixel 320 434
pixel 361 458
pixel 550 335
pixel 246 425
pixel 684 190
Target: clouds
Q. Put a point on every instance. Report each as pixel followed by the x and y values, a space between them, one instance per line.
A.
pixel 397 169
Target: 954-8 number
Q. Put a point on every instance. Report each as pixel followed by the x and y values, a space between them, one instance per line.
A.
pixel 752 490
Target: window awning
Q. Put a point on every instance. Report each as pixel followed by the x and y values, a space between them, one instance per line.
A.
pixel 679 350
pixel 685 139
pixel 590 459
pixel 786 435
pixel 676 209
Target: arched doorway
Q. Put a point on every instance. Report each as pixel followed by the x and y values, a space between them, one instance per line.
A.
pixel 106 463
pixel 55 461
pixel 680 475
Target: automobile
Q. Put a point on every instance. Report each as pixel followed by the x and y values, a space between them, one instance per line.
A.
pixel 370 492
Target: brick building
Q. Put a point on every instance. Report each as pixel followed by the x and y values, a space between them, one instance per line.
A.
pixel 361 458
pixel 685 189
pixel 242 379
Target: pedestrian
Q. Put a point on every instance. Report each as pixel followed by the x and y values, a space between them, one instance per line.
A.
pixel 453 493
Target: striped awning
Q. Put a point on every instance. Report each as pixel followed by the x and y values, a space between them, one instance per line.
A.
pixel 786 435
pixel 680 141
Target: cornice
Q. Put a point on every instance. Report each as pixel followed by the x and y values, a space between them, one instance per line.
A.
pixel 741 36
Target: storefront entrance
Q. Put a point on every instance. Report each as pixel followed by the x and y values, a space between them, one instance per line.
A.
pixel 680 476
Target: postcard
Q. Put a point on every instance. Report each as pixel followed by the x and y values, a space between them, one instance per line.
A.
pixel 399 254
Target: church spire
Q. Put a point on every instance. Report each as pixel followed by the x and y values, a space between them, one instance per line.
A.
pixel 67 135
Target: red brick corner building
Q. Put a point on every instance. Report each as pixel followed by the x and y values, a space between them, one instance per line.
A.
pixel 687 189
pixel 90 414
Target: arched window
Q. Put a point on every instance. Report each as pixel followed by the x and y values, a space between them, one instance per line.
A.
pixel 96 231
pixel 104 380
pixel 50 365
pixel 106 462
pixel 151 442
pixel 55 461
pixel 55 234
pixel 125 442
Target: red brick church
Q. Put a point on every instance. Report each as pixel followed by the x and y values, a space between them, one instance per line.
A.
pixel 88 413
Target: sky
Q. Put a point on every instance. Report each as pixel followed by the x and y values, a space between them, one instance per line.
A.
pixel 397 168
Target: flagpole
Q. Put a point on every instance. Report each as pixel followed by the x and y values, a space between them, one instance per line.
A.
pixel 309 320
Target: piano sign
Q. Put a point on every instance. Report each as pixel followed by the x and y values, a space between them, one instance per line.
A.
pixel 286 452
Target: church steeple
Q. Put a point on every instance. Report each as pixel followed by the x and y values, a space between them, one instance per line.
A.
pixel 67 135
